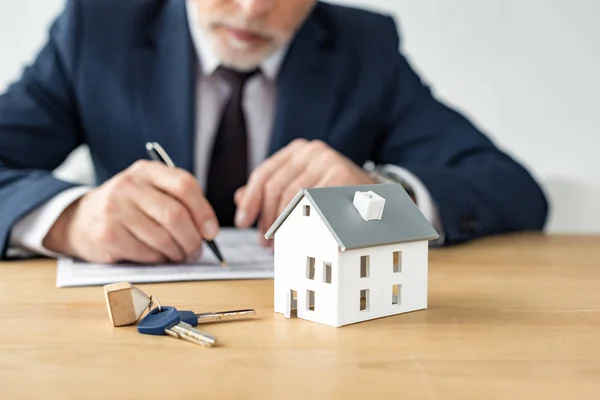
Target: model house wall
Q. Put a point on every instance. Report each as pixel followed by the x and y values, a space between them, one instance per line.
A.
pixel 349 254
pixel 328 283
pixel 298 237
pixel 380 281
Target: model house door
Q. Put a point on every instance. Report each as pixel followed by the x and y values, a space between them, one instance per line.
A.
pixel 291 303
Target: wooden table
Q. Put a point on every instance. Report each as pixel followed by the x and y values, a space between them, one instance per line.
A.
pixel 509 317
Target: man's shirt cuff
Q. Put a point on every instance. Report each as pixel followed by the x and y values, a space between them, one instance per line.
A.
pixel 29 232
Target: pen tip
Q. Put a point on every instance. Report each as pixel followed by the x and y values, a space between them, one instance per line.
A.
pixel 223 263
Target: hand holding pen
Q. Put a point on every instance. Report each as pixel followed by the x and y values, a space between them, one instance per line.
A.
pixel 149 213
pixel 157 153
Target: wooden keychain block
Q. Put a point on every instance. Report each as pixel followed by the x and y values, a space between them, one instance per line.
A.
pixel 125 303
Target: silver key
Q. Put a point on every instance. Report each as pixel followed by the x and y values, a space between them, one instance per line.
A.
pixel 196 319
pixel 187 332
pixel 167 321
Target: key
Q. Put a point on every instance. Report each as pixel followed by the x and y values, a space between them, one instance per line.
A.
pixel 125 303
pixel 194 319
pixel 167 321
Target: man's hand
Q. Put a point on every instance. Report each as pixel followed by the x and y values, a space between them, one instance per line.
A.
pixel 149 213
pixel 301 164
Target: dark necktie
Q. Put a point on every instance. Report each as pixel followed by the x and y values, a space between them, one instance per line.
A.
pixel 228 168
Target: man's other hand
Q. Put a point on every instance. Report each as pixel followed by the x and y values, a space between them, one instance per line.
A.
pixel 149 213
pixel 274 183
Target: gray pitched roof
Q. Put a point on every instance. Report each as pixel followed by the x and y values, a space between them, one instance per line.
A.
pixel 402 221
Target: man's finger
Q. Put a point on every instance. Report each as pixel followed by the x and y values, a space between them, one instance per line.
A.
pixel 279 184
pixel 183 186
pixel 239 195
pixel 250 204
pixel 306 180
pixel 146 230
pixel 315 163
pixel 302 170
pixel 172 216
pixel 128 248
pixel 329 178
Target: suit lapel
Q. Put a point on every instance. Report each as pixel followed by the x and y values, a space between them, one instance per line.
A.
pixel 305 95
pixel 164 79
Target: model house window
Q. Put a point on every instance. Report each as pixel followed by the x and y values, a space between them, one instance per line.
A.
pixel 310 300
pixel 396 293
pixel 326 272
pixel 364 266
pixel 397 262
pixel 310 268
pixel 306 211
pixel 364 300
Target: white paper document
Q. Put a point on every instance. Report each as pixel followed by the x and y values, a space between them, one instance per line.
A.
pixel 244 256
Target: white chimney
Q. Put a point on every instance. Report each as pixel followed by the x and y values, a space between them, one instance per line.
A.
pixel 369 205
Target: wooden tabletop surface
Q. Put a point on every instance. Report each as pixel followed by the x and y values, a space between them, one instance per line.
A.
pixel 509 318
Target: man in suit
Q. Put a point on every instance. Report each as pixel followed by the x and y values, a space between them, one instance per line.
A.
pixel 253 100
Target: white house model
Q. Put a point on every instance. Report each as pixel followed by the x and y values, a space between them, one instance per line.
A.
pixel 351 253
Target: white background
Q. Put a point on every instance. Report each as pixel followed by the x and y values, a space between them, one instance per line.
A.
pixel 527 72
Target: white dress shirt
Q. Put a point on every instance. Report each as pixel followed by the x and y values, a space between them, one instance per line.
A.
pixel 212 93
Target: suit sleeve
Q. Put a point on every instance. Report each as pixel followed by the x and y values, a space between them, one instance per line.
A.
pixel 39 125
pixel 478 189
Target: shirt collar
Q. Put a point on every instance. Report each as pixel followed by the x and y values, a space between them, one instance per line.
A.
pixel 209 61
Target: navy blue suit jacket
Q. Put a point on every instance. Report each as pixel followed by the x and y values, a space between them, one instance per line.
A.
pixel 115 74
